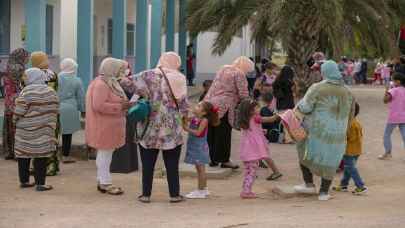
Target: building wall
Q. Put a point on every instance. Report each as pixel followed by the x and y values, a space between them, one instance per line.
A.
pixel 18 21
pixel 65 34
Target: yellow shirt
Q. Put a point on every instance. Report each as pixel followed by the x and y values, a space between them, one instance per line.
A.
pixel 354 139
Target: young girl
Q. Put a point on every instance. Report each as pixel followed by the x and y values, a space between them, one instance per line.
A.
pixel 395 97
pixel 197 147
pixel 253 143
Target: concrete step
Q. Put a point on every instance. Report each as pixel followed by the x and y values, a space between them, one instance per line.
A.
pixel 212 172
pixel 284 192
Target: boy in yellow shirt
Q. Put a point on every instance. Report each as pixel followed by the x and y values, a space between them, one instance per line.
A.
pixel 353 151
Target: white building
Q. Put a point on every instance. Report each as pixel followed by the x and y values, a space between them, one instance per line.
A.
pixel 61 19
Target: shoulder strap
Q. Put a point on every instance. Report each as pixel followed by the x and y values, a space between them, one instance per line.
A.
pixel 170 88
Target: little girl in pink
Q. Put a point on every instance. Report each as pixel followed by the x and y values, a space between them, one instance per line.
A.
pixel 253 143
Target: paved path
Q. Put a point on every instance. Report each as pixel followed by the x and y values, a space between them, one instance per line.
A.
pixel 75 202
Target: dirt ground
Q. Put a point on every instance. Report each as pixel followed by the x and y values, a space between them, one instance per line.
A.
pixel 76 203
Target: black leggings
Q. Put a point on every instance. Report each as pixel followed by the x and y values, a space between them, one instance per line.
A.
pixel 39 170
pixel 171 159
pixel 309 179
pixel 66 144
pixel 219 141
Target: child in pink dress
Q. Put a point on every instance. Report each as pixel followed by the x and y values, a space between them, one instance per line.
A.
pixel 253 143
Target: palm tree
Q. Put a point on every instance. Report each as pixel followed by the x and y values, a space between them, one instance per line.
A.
pixel 303 26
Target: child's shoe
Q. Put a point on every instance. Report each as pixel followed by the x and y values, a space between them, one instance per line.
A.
pixel 274 176
pixel 197 194
pixel 304 189
pixel 340 189
pixel 248 195
pixel 360 191
pixel 386 156
pixel 324 197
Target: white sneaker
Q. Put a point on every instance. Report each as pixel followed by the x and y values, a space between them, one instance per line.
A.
pixel 385 156
pixel 304 189
pixel 198 194
pixel 206 192
pixel 324 197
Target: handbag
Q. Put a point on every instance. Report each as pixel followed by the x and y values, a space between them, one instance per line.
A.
pixel 292 122
pixel 140 111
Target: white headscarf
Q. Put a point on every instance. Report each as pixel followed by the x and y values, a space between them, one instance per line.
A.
pixel 111 70
pixel 68 66
pixel 170 63
pixel 34 76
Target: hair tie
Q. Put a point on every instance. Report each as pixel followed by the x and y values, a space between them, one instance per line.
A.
pixel 214 109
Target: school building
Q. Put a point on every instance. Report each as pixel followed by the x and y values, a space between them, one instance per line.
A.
pixel 89 30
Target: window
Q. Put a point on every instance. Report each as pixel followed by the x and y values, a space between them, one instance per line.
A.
pixel 4 27
pixel 49 29
pixel 130 38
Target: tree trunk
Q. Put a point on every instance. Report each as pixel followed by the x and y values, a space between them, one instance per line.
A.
pixel 302 43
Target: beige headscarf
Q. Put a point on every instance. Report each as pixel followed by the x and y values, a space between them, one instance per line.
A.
pixel 111 70
pixel 40 60
pixel 244 64
pixel 68 66
pixel 170 62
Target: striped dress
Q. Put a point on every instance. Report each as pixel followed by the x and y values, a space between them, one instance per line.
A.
pixel 35 116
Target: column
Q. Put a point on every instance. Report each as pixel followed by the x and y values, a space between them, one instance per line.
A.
pixel 156 32
pixel 68 29
pixel 35 21
pixel 170 20
pixel 85 40
pixel 183 36
pixel 119 31
pixel 141 35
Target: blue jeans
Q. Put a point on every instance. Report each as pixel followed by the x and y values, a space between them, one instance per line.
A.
pixel 389 128
pixel 351 172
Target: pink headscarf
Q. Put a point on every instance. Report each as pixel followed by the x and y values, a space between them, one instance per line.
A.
pixel 244 64
pixel 170 63
pixel 170 60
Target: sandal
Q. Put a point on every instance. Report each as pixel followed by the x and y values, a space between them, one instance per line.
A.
pixel 110 189
pixel 144 199
pixel 229 166
pixel 43 188
pixel 177 199
pixel 27 185
pixel 274 176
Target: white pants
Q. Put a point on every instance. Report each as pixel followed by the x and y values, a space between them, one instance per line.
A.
pixel 103 162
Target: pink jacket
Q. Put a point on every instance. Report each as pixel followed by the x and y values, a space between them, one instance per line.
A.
pixel 105 121
pixel 228 89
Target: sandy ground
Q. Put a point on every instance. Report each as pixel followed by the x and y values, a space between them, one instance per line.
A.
pixel 76 203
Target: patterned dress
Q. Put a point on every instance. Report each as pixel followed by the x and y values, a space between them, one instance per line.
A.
pixel 164 131
pixel 229 87
pixel 53 162
pixel 327 108
pixel 35 117
pixel 12 88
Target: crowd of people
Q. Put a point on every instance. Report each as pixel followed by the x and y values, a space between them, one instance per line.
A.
pixel 262 101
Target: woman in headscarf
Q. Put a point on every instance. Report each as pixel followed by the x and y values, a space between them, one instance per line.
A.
pixel 35 117
pixel 12 87
pixel 71 96
pixel 40 60
pixel 230 86
pixel 283 92
pixel 106 108
pixel 327 107
pixel 164 129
